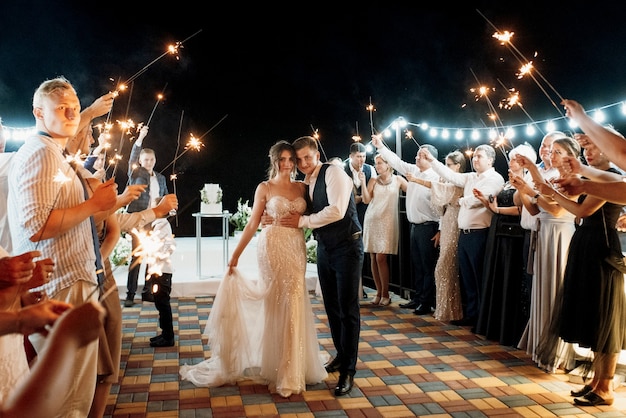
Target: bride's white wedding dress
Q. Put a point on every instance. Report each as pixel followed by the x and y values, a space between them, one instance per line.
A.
pixel 263 330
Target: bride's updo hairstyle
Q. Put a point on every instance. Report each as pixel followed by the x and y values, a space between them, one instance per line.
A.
pixel 274 155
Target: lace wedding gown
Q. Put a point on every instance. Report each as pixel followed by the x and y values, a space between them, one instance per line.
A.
pixel 263 330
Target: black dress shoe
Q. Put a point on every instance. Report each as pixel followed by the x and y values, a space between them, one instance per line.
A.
pixel 162 342
pixel 344 385
pixel 156 338
pixel 422 310
pixel 333 366
pixel 469 321
pixel 409 305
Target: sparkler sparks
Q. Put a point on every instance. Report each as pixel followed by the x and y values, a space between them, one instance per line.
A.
pixel 505 38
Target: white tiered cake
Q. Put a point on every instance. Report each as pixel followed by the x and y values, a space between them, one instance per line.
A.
pixel 211 199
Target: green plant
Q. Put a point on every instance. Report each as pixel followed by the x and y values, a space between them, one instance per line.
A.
pixel 240 218
pixel 120 256
pixel 311 246
pixel 205 199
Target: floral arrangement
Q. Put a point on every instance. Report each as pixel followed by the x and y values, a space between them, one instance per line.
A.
pixel 311 246
pixel 121 254
pixel 240 218
pixel 205 199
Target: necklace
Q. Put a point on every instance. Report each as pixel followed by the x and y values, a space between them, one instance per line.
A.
pixel 380 181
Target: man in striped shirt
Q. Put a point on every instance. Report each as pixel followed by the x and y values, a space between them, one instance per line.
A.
pixel 47 211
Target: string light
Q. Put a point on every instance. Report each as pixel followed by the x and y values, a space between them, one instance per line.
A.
pixel 528 130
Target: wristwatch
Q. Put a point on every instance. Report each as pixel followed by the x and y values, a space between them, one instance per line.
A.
pixel 533 200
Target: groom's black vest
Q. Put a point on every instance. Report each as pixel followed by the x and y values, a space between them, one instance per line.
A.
pixel 344 229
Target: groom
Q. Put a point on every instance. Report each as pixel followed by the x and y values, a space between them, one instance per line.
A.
pixel 339 253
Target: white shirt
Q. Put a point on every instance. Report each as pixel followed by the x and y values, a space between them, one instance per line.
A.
pixel 472 213
pixel 34 192
pixel 338 190
pixel 419 208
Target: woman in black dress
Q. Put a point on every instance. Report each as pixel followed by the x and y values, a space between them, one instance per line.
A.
pixel 592 308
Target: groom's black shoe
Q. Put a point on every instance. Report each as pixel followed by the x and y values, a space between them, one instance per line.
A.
pixel 344 385
pixel 333 366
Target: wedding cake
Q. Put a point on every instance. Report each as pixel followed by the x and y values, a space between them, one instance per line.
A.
pixel 211 199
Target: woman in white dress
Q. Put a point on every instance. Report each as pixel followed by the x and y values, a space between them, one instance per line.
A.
pixel 381 224
pixel 263 330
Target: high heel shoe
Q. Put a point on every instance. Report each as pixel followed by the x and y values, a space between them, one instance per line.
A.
pixel 385 302
pixel 376 300
pixel 582 392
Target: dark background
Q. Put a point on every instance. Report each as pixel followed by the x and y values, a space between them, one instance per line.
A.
pixel 282 72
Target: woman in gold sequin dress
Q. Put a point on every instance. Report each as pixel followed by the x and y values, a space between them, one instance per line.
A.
pixel 446 195
pixel 263 330
pixel 381 224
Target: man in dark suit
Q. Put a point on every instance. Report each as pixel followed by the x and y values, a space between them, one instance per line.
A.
pixel 360 172
pixel 337 230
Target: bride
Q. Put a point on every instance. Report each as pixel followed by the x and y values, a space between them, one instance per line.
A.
pixel 263 330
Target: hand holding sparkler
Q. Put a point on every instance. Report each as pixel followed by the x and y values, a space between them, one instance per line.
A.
pixel 166 205
pixel 17 269
pixel 130 194
pixel 425 154
pixel 377 140
pixel 104 197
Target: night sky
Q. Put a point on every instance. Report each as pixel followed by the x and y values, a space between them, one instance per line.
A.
pixel 271 73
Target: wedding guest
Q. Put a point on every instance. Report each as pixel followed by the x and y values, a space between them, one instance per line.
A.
pixel 56 219
pixel 72 328
pixel 608 141
pixel 448 306
pixel 501 316
pixel 263 329
pixel 424 220
pixel 361 173
pixel 381 224
pixel 591 309
pixel 473 220
pixel 555 230
pixel 141 165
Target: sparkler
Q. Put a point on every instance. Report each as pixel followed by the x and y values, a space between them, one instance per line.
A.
pixel 171 49
pixel 514 100
pixel 316 135
pixel 193 143
pixel 501 139
pixel 159 98
pixel 357 137
pixel 505 39
pixel 371 109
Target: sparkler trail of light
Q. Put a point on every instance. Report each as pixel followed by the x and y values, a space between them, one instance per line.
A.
pixel 371 109
pixel 213 127
pixel 159 98
pixel 506 40
pixel 172 49
pixel 316 135
pixel 521 106
pixel 409 135
pixel 501 140
pixel 173 176
pixel 193 143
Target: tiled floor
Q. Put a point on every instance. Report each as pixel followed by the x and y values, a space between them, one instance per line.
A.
pixel 408 366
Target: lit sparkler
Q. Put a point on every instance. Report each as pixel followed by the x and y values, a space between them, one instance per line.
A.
pixel 159 98
pixel 316 135
pixel 171 49
pixel 371 109
pixel 505 39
